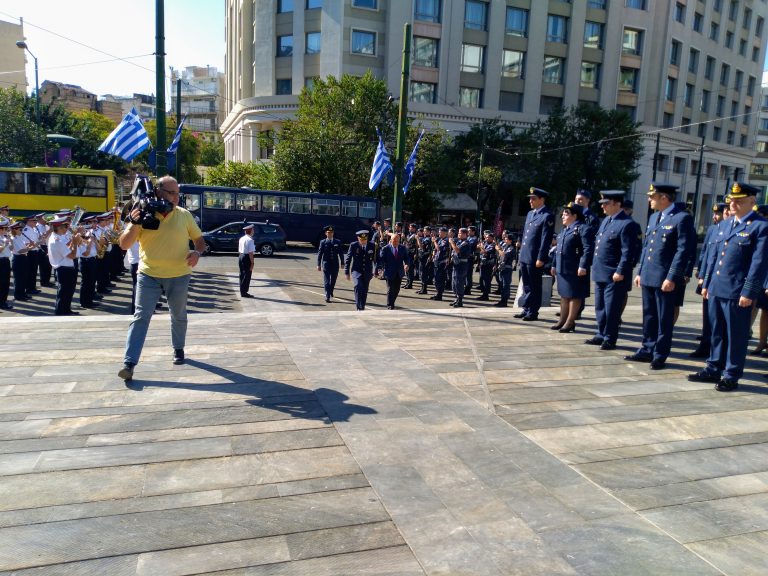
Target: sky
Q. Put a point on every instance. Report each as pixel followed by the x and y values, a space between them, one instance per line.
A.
pixel 82 42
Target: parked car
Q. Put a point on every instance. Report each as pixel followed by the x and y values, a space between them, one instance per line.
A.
pixel 267 238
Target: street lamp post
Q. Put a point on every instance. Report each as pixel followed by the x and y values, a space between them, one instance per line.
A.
pixel 23 45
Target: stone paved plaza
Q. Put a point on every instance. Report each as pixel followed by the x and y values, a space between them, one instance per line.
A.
pixel 416 441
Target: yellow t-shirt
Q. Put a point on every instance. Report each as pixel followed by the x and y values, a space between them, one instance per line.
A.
pixel 163 252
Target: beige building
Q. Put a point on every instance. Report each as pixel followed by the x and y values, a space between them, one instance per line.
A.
pixel 12 58
pixel 685 68
pixel 144 104
pixel 202 98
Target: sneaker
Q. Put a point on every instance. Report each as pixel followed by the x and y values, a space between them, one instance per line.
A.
pixel 126 372
pixel 178 355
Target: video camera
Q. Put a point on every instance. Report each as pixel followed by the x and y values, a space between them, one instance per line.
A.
pixel 144 198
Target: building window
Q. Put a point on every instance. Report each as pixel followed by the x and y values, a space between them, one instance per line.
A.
pixel 719 107
pixel 759 26
pixel 743 141
pixel 517 22
pixel 762 147
pixel 371 4
pixel 425 52
pixel 513 64
pixel 739 78
pixel 747 22
pixel 751 86
pixel 285 45
pixel 725 72
pixel 313 42
pixel 427 10
pixel 764 124
pixel 733 10
pixel 511 101
pixel 734 109
pixel 714 31
pixel 662 162
pixel 593 35
pixel 636 4
pixel 471 58
pixel 548 104
pixel 709 68
pixel 312 4
pixel 693 61
pixel 716 133
pixel 755 53
pixel 670 88
pixel 680 12
pixel 284 6
pixel 729 39
pixel 283 86
pixel 363 42
pixel 628 80
pixel 694 167
pixel 678 165
pixel 470 97
pixel 688 95
pixel 475 15
pixel 747 115
pixel 590 75
pixel 425 92
pixel 632 42
pixel 729 138
pixel 557 29
pixel 698 21
pixel 674 53
pixel 718 5
pixel 553 69
pixel 743 47
pixel 702 130
pixel 596 4
pixel 705 101
pixel 628 110
pixel 309 82
pixel 685 128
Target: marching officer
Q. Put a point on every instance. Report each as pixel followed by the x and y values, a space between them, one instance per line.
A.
pixel 426 266
pixel 591 220
pixel 86 256
pixel 735 276
pixel 330 257
pixel 20 247
pixel 246 250
pixel 44 231
pixel 359 262
pixel 440 249
pixel 534 247
pixel 30 233
pixel 616 252
pixel 506 256
pixel 5 263
pixel 488 260
pixel 474 241
pixel 412 245
pixel 669 248
pixel 62 252
pixel 461 258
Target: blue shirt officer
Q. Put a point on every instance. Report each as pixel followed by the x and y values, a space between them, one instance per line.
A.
pixel 668 251
pixel 358 265
pixel 330 255
pixel 506 257
pixel 461 255
pixel 488 260
pixel 735 276
pixel 440 248
pixel 592 221
pixel 534 247
pixel 426 266
pixel 474 240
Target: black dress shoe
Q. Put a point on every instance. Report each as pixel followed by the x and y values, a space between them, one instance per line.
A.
pixel 638 358
pixel 594 341
pixel 436 298
pixel 458 305
pixel 178 356
pixel 327 299
pixel 658 364
pixel 6 306
pixel 607 345
pixel 726 385
pixel 530 318
pixel 699 353
pixel 483 298
pixel 703 376
pixel 390 307
pixel 421 292
pixel 502 305
pixel 520 315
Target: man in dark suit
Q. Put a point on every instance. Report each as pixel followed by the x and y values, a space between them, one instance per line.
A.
pixel 330 257
pixel 393 259
pixel 735 276
pixel 669 248
pixel 534 248
pixel 359 263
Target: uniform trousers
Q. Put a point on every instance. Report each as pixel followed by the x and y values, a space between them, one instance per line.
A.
pixel 410 274
pixel 530 301
pixel 469 281
pixel 87 281
pixel 658 322
pixel 244 263
pixel 33 261
pixel 486 273
pixel 439 278
pixel 44 265
pixel 393 289
pixel 330 274
pixel 609 301
pixel 426 271
pixel 706 327
pixel 730 337
pixel 360 283
pixel 66 279
pixel 459 280
pixel 5 279
pixel 102 274
pixel 505 276
pixel 19 266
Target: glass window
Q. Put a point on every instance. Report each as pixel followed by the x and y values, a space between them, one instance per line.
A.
pixel 272 203
pixel 688 95
pixel 751 86
pixel 686 126
pixel 678 165
pixel 475 15
pixel 630 111
pixel 759 26
pixel 311 4
pixel 702 130
pixel 285 45
pixel 548 104
pixel 313 42
pixel 680 12
pixel 739 78
pixel 747 115
pixel 674 53
pixel 372 4
pixel 733 10
pixel 597 4
pixel 283 86
pixel 248 201
pixel 734 108
pixel 326 207
pixel 637 4
pixel 427 10
pixel 284 6
pixel 299 205
pixel 698 22
pixel 705 100
pixel 517 22
pixel 590 75
pixel 469 97
pixel 221 200
pixel 729 39
pixel 309 82
pixel 553 69
pixel 349 208
pixel 557 29
pixel 513 64
pixel 268 229
pixel 628 80
pixel 471 58
pixel 693 61
pixel 716 132
pixel 423 92
pixel 593 35
pixel 742 47
pixel 719 106
pixel 511 101
pixel 709 68
pixel 714 31
pixel 718 5
pixel 762 147
pixel 743 141
pixel 755 53
pixel 725 72
pixel 363 42
pixel 191 202
pixel 367 210
pixel 632 42
pixel 670 89
pixel 425 51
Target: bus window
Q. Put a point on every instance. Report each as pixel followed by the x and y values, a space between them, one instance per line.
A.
pixel 349 208
pixel 223 200
pixel 299 205
pixel 93 186
pixel 248 201
pixel 192 202
pixel 48 184
pixel 270 203
pixel 11 183
pixel 367 210
pixel 325 207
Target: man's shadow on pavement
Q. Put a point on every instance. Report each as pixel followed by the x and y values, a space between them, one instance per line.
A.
pixel 320 404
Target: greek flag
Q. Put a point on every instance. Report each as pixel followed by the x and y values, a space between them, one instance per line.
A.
pixel 128 140
pixel 381 164
pixel 177 138
pixel 410 165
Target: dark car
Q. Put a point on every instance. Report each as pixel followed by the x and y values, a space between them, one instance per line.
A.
pixel 267 237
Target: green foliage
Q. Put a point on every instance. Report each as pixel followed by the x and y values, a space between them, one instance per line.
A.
pixel 188 153
pixel 211 152
pixel 90 129
pixel 238 175
pixel 21 140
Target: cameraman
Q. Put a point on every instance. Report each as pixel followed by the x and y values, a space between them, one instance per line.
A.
pixel 165 266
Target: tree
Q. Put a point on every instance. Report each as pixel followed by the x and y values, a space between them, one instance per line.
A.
pixel 239 175
pixel 21 140
pixel 211 152
pixel 188 153
pixel 91 129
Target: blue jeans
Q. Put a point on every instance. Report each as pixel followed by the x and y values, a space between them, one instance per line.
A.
pixel 148 291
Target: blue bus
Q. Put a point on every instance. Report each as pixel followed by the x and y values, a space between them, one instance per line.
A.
pixel 302 215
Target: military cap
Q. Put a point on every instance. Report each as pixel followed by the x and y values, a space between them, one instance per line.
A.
pixel 387 219
pixel 464 230
pixel 248 227
pixel 576 209
pixel 328 228
pixel 4 222
pixel 443 228
pixel 669 189
pixel 6 207
pixel 361 233
pixel 584 192
pixel 30 217
pixel 59 221
pixel 16 225
pixel 762 209
pixel 88 219
pixel 719 207
pixel 627 204
pixel 537 192
pixel 473 228
pixel 489 234
pixel 398 223
pixel 39 215
pixel 608 195
pixel 428 228
pixel 743 190
pixel 377 222
pixel 105 216
pixel 65 211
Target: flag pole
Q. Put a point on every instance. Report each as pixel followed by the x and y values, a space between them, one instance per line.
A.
pixel 402 128
pixel 162 165
pixel 178 123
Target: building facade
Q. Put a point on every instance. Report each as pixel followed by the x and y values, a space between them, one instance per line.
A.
pixel 12 58
pixel 144 104
pixel 688 70
pixel 758 174
pixel 202 98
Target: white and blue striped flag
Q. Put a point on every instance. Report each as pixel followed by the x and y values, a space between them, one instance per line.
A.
pixel 128 140
pixel 177 138
pixel 381 164
pixel 410 165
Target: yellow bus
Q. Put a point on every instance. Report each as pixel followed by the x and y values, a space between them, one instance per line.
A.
pixel 42 189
